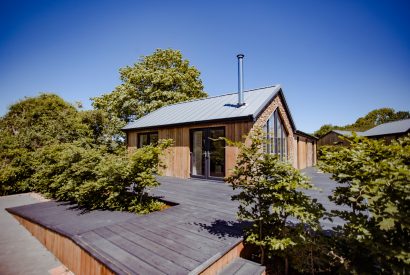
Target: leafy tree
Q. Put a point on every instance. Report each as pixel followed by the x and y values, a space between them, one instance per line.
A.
pixel 38 121
pixel 154 81
pixel 42 121
pixel 271 197
pixel 374 179
pixel 31 124
pixel 103 129
pixel 377 117
pixel 324 130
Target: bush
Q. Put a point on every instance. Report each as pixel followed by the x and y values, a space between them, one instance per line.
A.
pixel 283 216
pixel 374 179
pixel 97 179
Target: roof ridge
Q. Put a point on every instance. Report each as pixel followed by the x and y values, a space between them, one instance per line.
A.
pixel 390 122
pixel 215 96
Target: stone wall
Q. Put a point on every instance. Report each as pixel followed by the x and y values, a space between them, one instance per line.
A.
pixel 263 118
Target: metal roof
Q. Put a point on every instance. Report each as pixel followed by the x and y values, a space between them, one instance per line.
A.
pixel 301 133
pixel 346 133
pixel 389 128
pixel 209 109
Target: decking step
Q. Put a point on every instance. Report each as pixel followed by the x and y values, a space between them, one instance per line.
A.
pixel 241 266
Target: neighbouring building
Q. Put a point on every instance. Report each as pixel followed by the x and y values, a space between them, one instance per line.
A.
pixel 387 131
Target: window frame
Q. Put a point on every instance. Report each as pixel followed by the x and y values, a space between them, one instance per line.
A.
pixel 148 134
pixel 278 138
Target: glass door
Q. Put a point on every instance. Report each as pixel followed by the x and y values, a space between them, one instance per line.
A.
pixel 208 153
pixel 198 153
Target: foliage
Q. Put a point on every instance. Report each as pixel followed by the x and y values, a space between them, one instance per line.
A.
pixel 154 81
pixel 271 198
pixel 31 124
pixel 38 121
pixel 103 129
pixel 377 117
pixel 372 119
pixel 374 178
pixel 97 179
pixel 324 129
pixel 48 146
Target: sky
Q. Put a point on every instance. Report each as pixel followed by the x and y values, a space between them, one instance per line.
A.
pixel 335 60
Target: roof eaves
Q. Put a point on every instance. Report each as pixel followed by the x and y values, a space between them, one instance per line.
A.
pixel 270 99
pixel 219 120
pixel 301 133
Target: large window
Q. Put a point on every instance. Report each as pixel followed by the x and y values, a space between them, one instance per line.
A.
pixel 277 136
pixel 147 138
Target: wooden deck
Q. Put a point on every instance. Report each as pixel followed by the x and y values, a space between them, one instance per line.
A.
pixel 186 238
pixel 199 235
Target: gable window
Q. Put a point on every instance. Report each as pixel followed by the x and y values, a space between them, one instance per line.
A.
pixel 277 136
pixel 147 138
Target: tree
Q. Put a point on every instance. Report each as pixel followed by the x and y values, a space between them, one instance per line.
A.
pixel 377 117
pixel 271 197
pixel 37 122
pixel 324 130
pixel 31 124
pixel 154 81
pixel 374 179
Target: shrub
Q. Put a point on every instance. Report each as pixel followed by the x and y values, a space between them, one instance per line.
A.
pixel 97 179
pixel 374 178
pixel 271 197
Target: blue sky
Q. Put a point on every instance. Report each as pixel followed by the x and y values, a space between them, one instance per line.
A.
pixel 336 60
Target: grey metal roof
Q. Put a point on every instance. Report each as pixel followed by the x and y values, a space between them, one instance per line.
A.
pixel 210 109
pixel 389 128
pixel 346 133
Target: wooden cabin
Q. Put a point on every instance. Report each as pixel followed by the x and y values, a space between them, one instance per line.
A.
pixel 195 126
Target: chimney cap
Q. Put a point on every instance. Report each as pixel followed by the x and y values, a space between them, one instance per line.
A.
pixel 241 55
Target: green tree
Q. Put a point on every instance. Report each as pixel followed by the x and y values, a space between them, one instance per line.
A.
pixel 374 179
pixel 37 122
pixel 324 130
pixel 271 197
pixel 156 80
pixel 31 124
pixel 376 117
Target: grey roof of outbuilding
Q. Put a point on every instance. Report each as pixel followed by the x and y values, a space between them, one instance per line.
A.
pixel 389 128
pixel 209 109
pixel 346 133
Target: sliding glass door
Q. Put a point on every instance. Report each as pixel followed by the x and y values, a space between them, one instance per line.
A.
pixel 208 153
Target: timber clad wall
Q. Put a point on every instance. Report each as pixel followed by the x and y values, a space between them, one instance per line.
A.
pixel 177 158
pixel 306 152
pixel 70 254
pixel 332 138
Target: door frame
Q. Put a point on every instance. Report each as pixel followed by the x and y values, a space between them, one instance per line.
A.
pixel 207 172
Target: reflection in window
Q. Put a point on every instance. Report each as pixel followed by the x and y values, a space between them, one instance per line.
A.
pixel 147 138
pixel 277 136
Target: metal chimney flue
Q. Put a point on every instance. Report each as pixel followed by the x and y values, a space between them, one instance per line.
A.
pixel 240 79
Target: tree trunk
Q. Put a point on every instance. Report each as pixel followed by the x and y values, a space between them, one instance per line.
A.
pixel 286 266
pixel 261 246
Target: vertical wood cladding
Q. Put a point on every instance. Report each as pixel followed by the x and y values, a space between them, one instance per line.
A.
pixel 177 158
